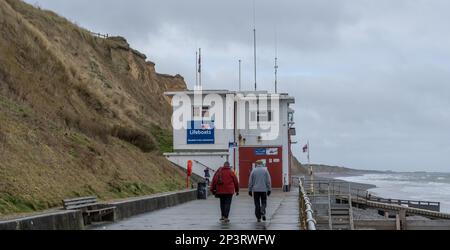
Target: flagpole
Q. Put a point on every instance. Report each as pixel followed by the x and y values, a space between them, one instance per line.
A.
pixel 310 169
pixel 309 159
pixel 240 77
pixel 200 67
pixel 196 69
pixel 254 41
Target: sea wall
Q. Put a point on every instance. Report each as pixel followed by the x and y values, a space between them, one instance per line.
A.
pixel 64 220
pixel 128 208
pixel 73 220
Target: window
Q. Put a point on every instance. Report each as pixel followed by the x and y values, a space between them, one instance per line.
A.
pixel 196 112
pixel 264 116
pixel 261 116
pixel 290 117
pixel 204 111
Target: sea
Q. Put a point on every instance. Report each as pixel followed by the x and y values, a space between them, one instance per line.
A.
pixel 409 186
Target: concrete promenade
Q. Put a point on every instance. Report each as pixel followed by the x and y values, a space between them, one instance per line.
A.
pixel 282 214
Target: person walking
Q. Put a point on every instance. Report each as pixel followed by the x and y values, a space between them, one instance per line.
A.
pixel 207 175
pixel 260 187
pixel 224 185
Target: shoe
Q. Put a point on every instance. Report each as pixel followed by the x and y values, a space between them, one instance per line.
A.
pixel 259 220
pixel 227 220
pixel 264 218
pixel 222 219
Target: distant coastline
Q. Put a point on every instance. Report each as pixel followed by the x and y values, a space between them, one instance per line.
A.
pixel 336 176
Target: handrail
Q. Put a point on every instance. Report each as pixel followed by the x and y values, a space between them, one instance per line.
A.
pixel 338 187
pixel 99 35
pixel 198 162
pixel 352 224
pixel 367 195
pixel 306 208
pixel 402 201
pixel 330 219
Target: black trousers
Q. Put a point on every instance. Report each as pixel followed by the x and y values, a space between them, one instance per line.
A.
pixel 260 204
pixel 225 204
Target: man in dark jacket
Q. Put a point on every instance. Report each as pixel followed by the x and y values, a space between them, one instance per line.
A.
pixel 260 187
pixel 224 185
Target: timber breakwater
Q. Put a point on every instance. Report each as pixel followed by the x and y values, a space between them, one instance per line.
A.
pixel 341 205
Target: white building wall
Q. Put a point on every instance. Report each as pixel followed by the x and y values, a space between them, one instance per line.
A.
pixel 251 136
pixel 214 155
pixel 212 160
pixel 222 137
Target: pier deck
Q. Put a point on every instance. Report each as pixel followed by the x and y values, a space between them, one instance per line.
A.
pixel 282 214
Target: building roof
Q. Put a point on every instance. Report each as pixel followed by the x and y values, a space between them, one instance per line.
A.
pixel 283 96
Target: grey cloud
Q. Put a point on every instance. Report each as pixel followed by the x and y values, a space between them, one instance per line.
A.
pixel 371 78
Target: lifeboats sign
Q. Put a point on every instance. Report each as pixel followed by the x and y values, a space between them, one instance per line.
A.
pixel 200 132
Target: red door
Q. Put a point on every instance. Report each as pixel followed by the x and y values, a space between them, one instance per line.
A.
pixel 271 155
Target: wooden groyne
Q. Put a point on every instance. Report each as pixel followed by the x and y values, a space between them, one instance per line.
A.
pixel 333 201
pixel 394 207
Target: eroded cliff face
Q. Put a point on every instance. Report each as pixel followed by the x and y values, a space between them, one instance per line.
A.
pixel 79 114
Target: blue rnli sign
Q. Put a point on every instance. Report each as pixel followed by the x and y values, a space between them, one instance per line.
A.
pixel 266 151
pixel 260 152
pixel 201 132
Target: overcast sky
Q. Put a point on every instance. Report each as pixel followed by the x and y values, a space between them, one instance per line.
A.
pixel 371 78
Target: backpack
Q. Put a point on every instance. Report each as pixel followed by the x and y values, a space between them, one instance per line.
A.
pixel 220 178
pixel 219 181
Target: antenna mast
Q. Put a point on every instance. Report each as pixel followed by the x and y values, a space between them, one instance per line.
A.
pixel 276 62
pixel 254 39
pixel 200 68
pixel 196 69
pixel 276 75
pixel 240 78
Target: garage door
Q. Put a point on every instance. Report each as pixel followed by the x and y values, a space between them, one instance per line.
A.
pixel 272 156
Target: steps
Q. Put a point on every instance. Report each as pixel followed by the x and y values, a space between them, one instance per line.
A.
pixel 341 217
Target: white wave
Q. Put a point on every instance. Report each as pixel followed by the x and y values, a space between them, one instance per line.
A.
pixel 409 187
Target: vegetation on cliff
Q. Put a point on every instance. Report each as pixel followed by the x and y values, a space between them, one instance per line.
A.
pixel 79 115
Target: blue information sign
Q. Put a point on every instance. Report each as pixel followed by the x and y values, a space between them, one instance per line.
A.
pixel 260 151
pixel 266 151
pixel 201 132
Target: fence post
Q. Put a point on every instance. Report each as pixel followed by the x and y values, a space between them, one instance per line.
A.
pixel 402 215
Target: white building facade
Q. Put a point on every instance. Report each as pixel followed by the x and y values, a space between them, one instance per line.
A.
pixel 214 126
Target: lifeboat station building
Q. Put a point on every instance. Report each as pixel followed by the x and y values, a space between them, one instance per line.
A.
pixel 211 127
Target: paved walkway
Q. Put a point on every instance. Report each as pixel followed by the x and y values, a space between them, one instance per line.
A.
pixel 282 214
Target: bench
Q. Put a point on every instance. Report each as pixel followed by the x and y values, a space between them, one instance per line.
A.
pixel 91 209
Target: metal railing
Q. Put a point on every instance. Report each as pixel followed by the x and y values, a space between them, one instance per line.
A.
pixel 429 205
pixel 330 219
pixel 352 224
pixel 307 213
pixel 335 188
pixel 332 189
pixel 104 36
pixel 204 165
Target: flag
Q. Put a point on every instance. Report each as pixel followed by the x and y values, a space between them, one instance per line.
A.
pixel 305 148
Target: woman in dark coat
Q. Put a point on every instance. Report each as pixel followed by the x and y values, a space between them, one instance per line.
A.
pixel 224 185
